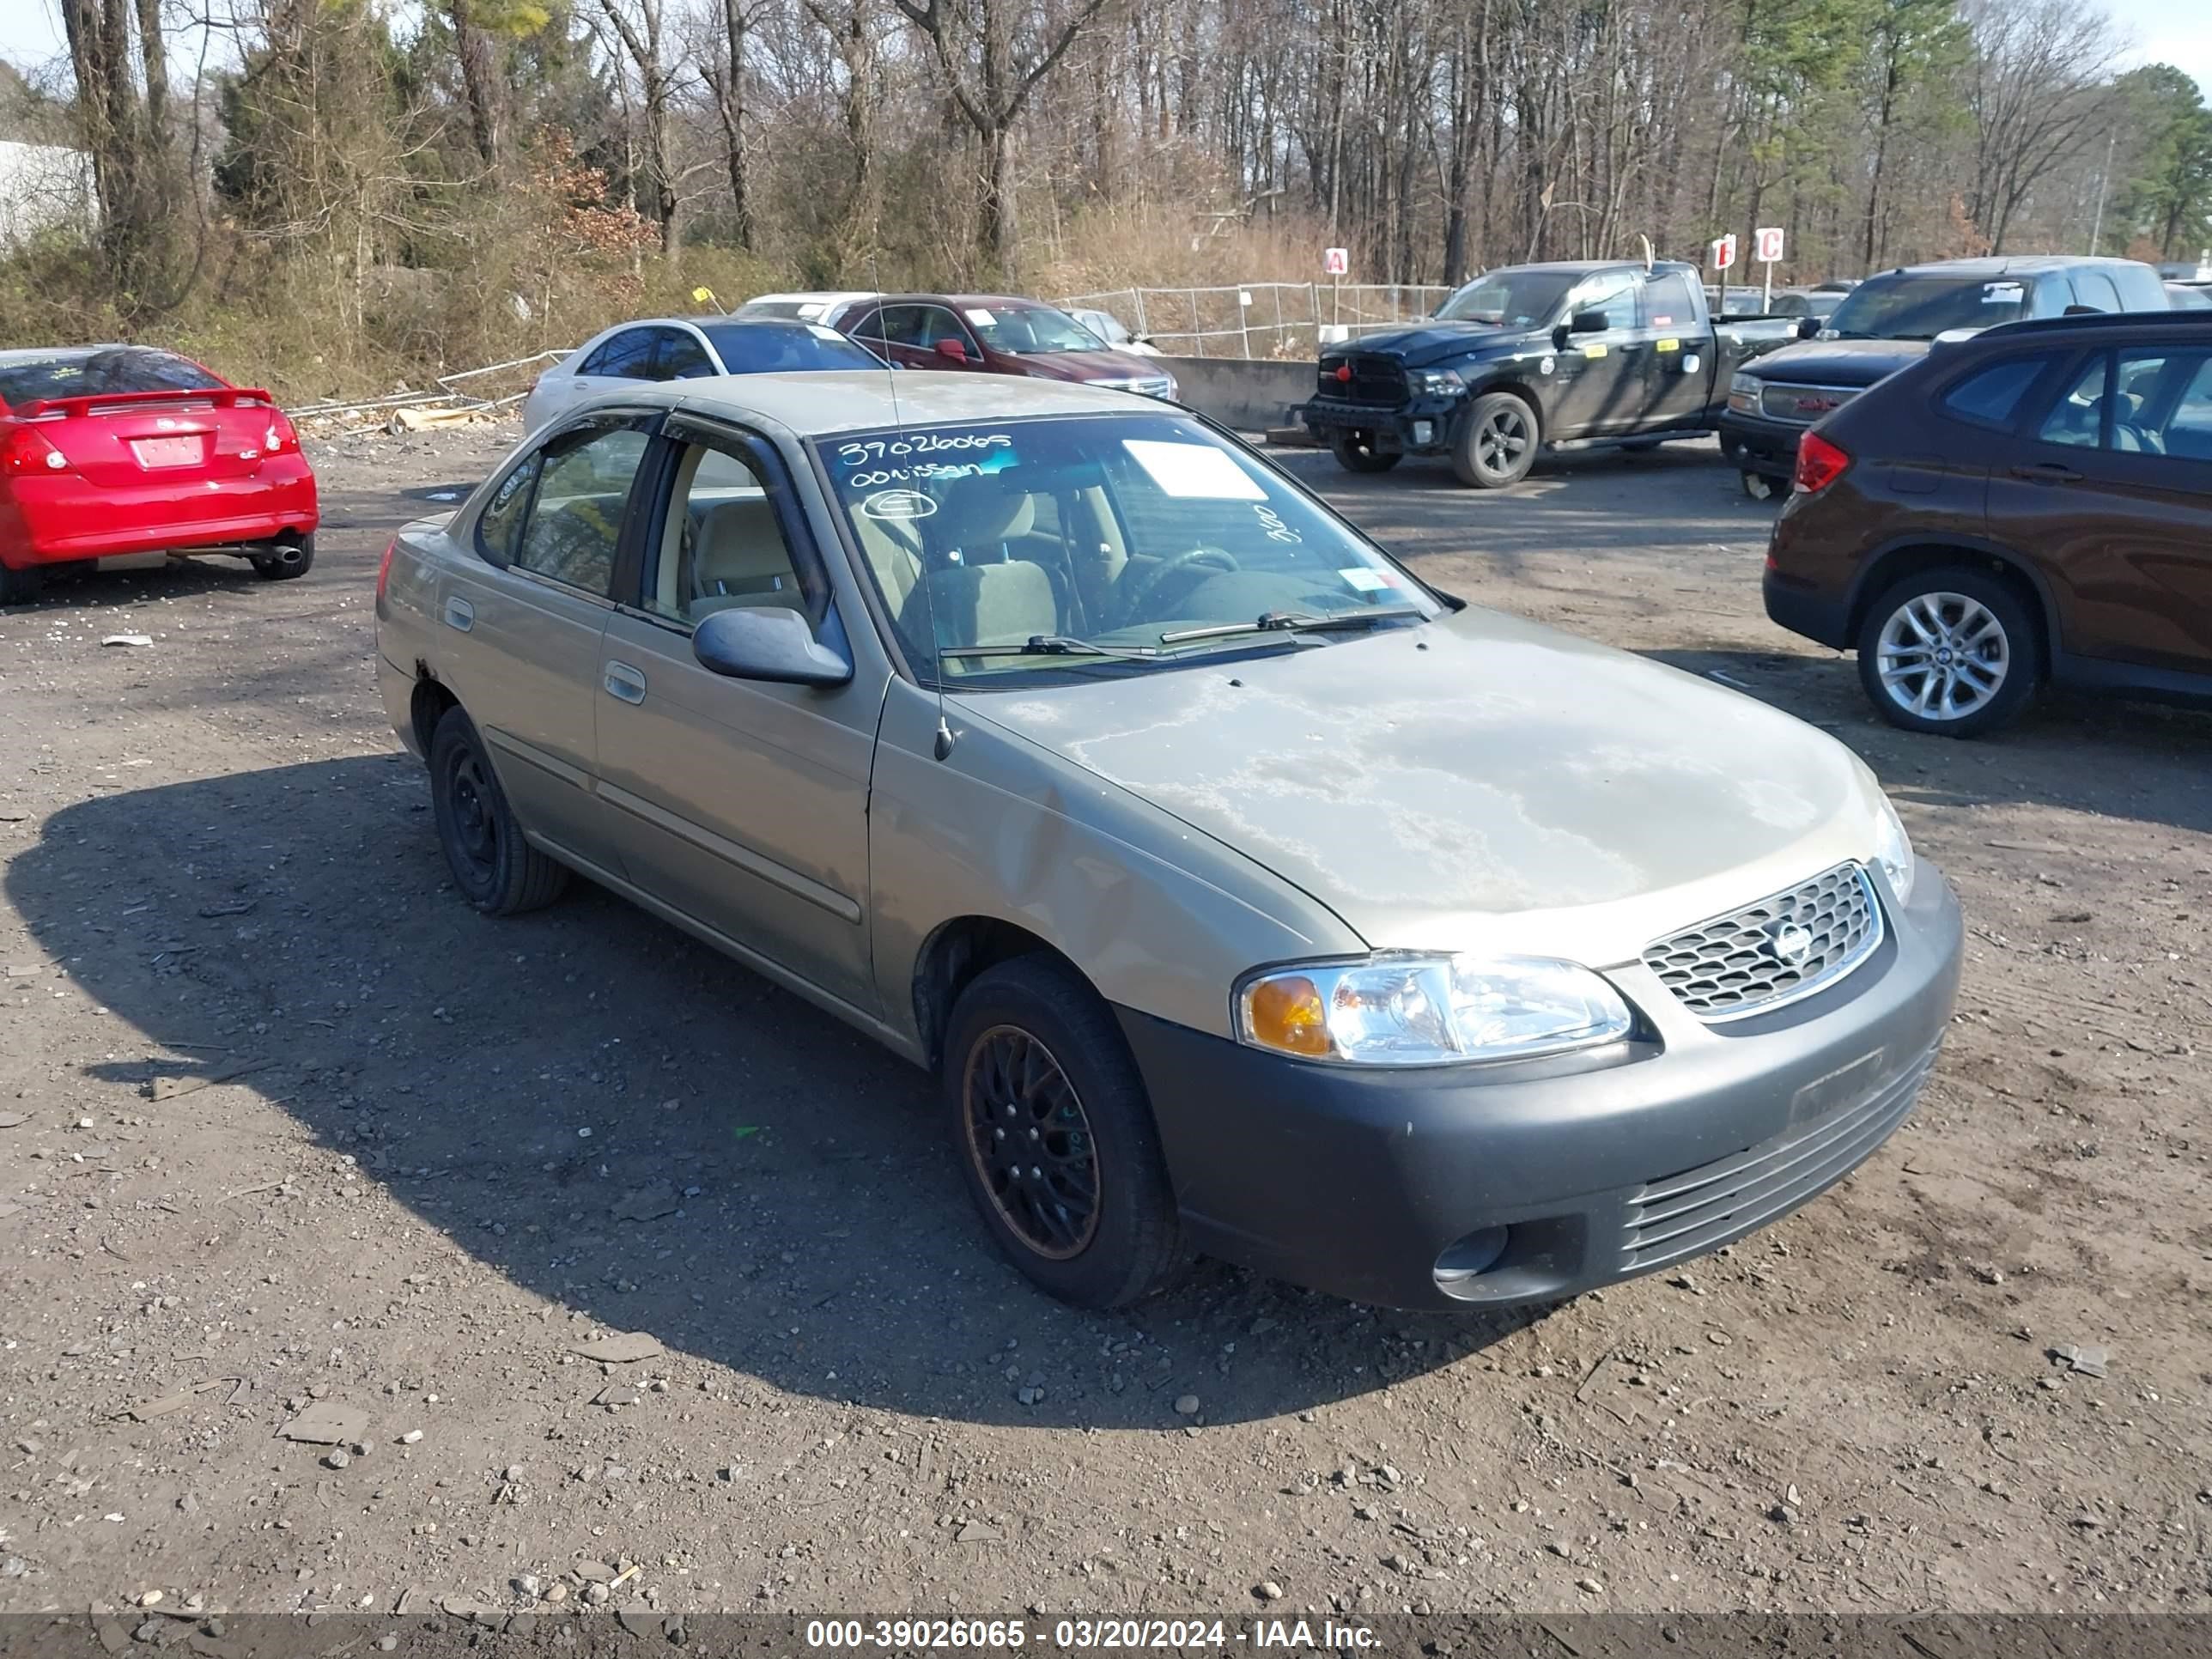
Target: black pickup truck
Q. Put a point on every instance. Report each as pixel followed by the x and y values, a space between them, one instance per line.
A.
pixel 1536 357
pixel 1888 321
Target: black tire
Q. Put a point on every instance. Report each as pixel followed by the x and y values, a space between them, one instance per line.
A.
pixel 286 562
pixel 1355 452
pixel 1496 441
pixel 497 871
pixel 1020 1030
pixel 21 586
pixel 1964 624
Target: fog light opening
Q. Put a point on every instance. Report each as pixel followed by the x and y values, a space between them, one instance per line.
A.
pixel 1467 1259
pixel 1421 431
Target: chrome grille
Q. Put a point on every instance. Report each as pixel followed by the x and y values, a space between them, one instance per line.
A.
pixel 1680 1215
pixel 1737 964
pixel 1802 405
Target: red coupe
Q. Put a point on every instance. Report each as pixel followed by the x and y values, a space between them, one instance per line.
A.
pixel 124 455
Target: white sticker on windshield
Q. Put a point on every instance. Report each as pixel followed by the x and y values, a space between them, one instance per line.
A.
pixel 1194 471
pixel 981 318
pixel 821 332
pixel 898 504
pixel 2004 294
pixel 1366 581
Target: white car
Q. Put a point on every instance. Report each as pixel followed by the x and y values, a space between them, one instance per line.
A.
pixel 657 349
pixel 819 308
pixel 1108 327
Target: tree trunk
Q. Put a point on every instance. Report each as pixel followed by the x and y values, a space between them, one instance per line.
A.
pixel 479 80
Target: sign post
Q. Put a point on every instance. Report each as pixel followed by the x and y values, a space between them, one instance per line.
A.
pixel 1723 257
pixel 1335 262
pixel 1769 255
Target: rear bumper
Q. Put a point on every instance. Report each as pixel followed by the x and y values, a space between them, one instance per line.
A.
pixel 1355 1183
pixel 1802 609
pixel 1420 426
pixel 1754 444
pixel 63 518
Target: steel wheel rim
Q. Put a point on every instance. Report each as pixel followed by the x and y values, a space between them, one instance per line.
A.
pixel 1501 440
pixel 1031 1142
pixel 1943 656
pixel 475 827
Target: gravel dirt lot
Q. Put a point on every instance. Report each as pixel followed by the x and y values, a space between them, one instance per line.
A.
pixel 421 1158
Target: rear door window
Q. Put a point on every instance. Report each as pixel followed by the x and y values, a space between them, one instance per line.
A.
pixel 2164 406
pixel 2094 288
pixel 575 520
pixel 627 356
pixel 1667 302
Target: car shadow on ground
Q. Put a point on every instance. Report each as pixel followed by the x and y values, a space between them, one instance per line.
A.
pixel 2151 760
pixel 623 1123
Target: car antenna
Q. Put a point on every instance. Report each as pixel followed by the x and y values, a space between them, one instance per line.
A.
pixel 943 746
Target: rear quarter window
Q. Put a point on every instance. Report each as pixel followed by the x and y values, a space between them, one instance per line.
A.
pixel 1991 396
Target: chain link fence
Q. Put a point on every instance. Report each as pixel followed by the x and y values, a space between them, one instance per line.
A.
pixel 1262 319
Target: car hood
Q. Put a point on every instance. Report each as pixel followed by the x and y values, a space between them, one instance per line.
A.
pixel 1431 342
pixel 1839 362
pixel 1478 783
pixel 1088 366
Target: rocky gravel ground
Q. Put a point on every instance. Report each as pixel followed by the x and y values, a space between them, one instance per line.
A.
pixel 366 1255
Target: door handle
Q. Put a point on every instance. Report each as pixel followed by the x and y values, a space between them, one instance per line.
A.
pixel 623 683
pixel 460 614
pixel 2047 472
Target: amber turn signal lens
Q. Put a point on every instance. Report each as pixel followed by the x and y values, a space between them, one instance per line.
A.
pixel 1286 1013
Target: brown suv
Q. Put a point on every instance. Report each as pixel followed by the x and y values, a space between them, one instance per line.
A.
pixel 2034 503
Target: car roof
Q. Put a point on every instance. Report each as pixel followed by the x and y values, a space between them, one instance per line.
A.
pixel 2147 323
pixel 824 401
pixel 956 300
pixel 71 354
pixel 1583 267
pixel 2033 264
pixel 816 294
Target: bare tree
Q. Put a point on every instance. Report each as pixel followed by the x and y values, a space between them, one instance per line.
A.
pixel 637 24
pixel 2036 85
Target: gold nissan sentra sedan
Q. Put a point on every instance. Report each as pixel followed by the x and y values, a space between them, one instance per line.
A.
pixel 1248 896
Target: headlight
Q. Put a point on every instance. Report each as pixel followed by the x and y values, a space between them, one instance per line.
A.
pixel 1394 1010
pixel 1892 850
pixel 1743 393
pixel 1437 382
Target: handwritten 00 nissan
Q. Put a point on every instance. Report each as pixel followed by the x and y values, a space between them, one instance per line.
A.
pixel 1250 896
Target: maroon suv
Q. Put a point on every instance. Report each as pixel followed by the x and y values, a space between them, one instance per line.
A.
pixel 993 334
pixel 2034 503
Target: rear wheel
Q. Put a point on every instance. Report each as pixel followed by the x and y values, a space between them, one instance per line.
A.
pixel 1950 650
pixel 1355 452
pixel 497 871
pixel 285 561
pixel 21 586
pixel 1056 1137
pixel 1497 442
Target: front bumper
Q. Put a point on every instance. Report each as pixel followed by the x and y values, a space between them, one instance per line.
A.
pixel 1754 444
pixel 1355 1183
pixel 1421 426
pixel 63 518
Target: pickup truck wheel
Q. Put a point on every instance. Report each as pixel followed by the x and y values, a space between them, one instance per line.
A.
pixel 1054 1134
pixel 1355 452
pixel 287 560
pixel 1497 442
pixel 1952 650
pixel 497 871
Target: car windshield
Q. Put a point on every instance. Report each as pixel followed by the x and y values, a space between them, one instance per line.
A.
pixel 1520 299
pixel 1103 326
pixel 1920 308
pixel 779 308
pixel 98 374
pixel 1084 544
pixel 1025 331
pixel 768 348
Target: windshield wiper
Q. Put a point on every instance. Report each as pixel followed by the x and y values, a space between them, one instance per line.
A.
pixel 1295 621
pixel 1049 645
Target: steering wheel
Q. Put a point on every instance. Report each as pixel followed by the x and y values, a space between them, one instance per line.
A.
pixel 1145 586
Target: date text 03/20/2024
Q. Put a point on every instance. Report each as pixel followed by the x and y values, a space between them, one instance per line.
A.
pixel 1085 1634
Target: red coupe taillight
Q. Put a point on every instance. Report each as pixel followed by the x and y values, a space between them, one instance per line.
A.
pixel 383 570
pixel 281 434
pixel 1820 464
pixel 27 451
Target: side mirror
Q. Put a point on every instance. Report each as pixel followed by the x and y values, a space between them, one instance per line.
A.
pixel 1588 322
pixel 768 642
pixel 953 349
pixel 1808 327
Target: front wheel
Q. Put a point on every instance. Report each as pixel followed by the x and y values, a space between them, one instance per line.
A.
pixel 497 871
pixel 1952 650
pixel 1497 442
pixel 285 561
pixel 1355 452
pixel 1054 1134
